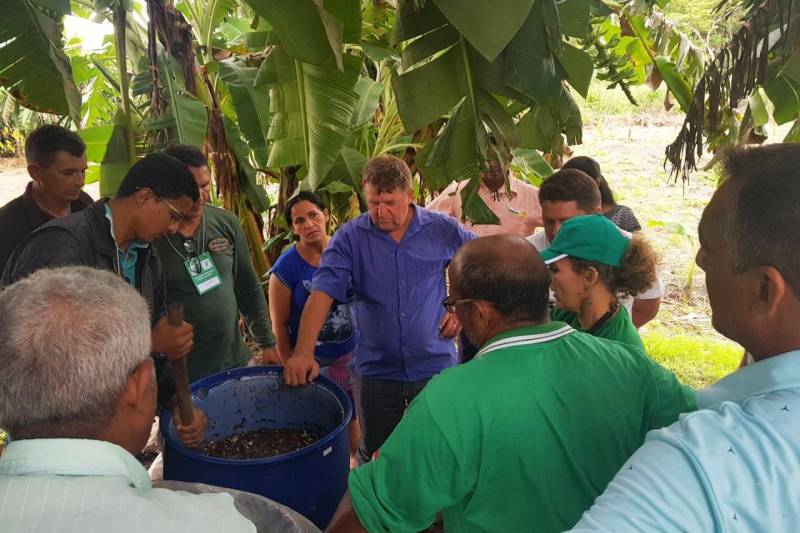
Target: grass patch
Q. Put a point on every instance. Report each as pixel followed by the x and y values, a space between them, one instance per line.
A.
pixel 697 360
pixel 601 102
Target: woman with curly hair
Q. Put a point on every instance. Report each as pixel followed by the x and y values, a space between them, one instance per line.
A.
pixel 592 262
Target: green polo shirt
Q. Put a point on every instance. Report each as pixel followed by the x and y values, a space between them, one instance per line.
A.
pixel 522 438
pixel 618 328
pixel 218 344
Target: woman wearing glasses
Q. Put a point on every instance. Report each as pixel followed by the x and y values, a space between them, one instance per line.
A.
pixel 592 262
pixel 290 287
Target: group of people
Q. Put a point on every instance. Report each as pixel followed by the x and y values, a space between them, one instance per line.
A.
pixel 555 421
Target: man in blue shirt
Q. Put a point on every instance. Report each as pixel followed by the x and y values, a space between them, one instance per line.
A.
pixel 733 465
pixel 395 255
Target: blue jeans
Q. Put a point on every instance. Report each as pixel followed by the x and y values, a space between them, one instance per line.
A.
pixel 380 404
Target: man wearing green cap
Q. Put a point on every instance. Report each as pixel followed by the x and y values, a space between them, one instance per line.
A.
pixel 592 263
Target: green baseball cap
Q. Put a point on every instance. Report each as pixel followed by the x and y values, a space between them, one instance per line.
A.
pixel 591 238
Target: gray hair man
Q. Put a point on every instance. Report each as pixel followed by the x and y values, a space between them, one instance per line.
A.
pixel 78 397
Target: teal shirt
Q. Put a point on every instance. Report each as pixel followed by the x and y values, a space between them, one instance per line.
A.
pixel 71 485
pixel 126 260
pixel 618 328
pixel 218 343
pixel 522 438
pixel 733 465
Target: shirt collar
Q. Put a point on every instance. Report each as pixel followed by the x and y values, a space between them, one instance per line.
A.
pixel 526 335
pixel 133 244
pixel 770 375
pixel 72 457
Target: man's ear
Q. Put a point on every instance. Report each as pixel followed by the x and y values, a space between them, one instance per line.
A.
pixel 35 172
pixel 769 288
pixel 139 384
pixel 142 195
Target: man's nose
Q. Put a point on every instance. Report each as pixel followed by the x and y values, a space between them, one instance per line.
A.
pixel 173 227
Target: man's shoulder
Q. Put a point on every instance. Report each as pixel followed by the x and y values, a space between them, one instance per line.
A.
pixel 215 213
pixel 13 208
pixel 538 240
pixel 437 220
pixel 519 185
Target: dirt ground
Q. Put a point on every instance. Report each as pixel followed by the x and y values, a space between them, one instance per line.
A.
pixel 14 177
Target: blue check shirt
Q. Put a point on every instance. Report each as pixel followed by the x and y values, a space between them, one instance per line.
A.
pixel 398 290
pixel 734 465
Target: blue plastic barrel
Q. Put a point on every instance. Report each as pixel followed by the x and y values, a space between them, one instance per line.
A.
pixel 311 480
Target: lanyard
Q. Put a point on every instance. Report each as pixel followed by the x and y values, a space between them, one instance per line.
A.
pixel 202 241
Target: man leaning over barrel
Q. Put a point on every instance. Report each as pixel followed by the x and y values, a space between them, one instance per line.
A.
pixel 116 235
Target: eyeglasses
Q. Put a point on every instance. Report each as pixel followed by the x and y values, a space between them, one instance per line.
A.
pixel 175 215
pixel 450 307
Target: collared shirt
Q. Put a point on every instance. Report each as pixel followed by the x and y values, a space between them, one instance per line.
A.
pixel 617 328
pixel 70 485
pixel 519 214
pixel 126 260
pixel 734 465
pixel 398 290
pixel 22 215
pixel 521 438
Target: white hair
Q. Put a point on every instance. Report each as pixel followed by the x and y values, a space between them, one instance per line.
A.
pixel 69 339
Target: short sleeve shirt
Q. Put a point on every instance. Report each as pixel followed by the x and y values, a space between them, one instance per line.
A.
pixel 731 466
pixel 339 334
pixel 521 438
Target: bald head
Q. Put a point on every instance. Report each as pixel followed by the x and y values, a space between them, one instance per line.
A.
pixel 505 270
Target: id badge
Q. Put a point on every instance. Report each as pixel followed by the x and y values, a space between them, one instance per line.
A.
pixel 203 272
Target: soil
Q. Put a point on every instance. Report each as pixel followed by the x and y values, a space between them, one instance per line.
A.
pixel 260 444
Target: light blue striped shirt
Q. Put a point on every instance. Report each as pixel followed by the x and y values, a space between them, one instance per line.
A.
pixel 733 465
pixel 77 485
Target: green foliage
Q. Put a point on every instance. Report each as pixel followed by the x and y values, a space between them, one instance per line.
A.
pixel 696 361
pixel 33 66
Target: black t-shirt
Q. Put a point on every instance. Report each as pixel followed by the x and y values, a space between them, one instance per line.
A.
pixel 20 216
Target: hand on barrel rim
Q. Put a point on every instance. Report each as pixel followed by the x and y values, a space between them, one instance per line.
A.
pixel 191 435
pixel 300 370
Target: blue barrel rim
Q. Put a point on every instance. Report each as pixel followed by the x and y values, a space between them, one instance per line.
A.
pixel 219 378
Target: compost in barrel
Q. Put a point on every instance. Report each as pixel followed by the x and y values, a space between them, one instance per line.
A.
pixel 259 444
pixel 310 480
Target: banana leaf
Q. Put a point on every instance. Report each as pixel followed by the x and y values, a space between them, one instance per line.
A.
pixel 251 105
pixel 33 66
pixel 185 119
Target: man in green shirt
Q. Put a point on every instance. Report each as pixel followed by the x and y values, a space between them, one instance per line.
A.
pixel 527 434
pixel 208 268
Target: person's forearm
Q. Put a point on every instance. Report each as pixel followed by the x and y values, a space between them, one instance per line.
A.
pixel 345 519
pixel 311 322
pixel 283 344
pixel 644 311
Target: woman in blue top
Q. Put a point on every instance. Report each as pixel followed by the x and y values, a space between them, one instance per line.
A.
pixel 290 287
